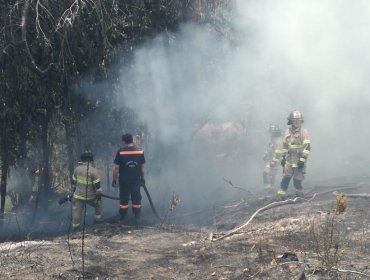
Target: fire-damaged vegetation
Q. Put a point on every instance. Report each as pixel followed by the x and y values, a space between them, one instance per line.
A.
pixel 58 70
pixel 294 239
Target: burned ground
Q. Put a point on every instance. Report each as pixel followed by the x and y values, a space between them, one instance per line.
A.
pixel 302 239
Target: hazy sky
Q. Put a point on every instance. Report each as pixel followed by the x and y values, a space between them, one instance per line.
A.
pixel 306 55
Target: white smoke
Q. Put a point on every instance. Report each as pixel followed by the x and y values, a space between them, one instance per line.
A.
pixel 312 55
pixel 305 55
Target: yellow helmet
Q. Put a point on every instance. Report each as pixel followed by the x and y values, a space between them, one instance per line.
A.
pixel 294 115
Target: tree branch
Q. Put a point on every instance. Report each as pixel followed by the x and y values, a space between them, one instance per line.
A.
pixel 24 38
pixel 268 206
pixel 350 271
pixel 236 187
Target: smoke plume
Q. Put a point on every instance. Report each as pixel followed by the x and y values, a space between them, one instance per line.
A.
pixel 287 55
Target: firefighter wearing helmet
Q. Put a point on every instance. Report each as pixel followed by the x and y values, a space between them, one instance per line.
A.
pixel 272 157
pixel 86 189
pixel 296 149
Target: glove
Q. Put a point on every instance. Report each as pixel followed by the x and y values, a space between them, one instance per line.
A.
pixel 65 199
pixel 300 165
pixel 283 162
pixel 114 183
pixel 62 200
pixel 70 196
pixel 142 181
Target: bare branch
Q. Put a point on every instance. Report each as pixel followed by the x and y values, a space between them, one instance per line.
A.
pixel 38 25
pixel 350 271
pixel 268 206
pixel 68 17
pixel 39 29
pixel 24 38
pixel 232 185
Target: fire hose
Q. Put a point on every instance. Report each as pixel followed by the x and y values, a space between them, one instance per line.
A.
pixel 151 202
pixel 69 198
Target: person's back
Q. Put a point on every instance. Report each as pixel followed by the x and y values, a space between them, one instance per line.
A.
pixel 129 159
pixel 85 188
pixel 129 168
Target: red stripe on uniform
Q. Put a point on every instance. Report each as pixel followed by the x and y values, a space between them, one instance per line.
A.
pixel 131 152
pixel 123 206
pixel 136 206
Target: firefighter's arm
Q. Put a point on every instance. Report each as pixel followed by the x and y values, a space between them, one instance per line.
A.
pixel 96 183
pixel 98 189
pixel 284 151
pixel 73 189
pixel 305 151
pixel 73 183
pixel 306 148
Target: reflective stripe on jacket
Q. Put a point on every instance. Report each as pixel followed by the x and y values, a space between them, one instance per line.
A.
pixel 296 146
pixel 85 186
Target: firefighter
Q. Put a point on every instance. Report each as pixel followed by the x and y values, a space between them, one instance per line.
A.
pixel 129 170
pixel 296 148
pixel 272 157
pixel 86 189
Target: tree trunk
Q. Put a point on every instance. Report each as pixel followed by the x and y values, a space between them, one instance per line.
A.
pixel 156 16
pixel 70 146
pixel 3 180
pixel 4 149
pixel 108 170
pixel 45 181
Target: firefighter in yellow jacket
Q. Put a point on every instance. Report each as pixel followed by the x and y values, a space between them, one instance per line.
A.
pixel 86 189
pixel 296 148
pixel 272 157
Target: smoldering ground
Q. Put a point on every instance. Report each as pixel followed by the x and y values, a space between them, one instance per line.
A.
pixel 305 55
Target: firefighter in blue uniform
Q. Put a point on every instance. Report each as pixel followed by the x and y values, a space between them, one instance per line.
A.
pixel 129 170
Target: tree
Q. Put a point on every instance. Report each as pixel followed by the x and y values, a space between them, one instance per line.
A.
pixel 48 48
